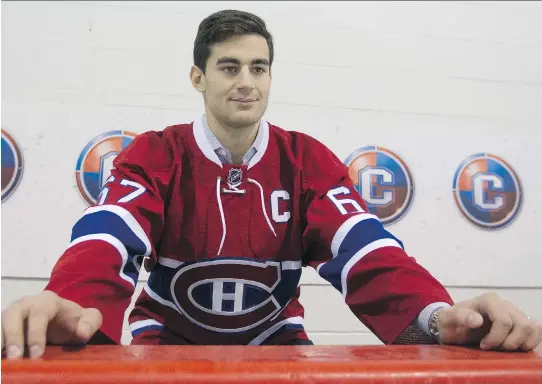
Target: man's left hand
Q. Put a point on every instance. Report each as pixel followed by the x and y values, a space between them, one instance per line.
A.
pixel 490 321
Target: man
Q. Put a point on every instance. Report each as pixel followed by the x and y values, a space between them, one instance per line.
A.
pixel 224 212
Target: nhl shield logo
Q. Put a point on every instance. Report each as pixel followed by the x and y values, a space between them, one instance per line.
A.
pixel 235 177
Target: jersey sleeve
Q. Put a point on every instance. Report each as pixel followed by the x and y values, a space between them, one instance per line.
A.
pixel 100 267
pixel 350 248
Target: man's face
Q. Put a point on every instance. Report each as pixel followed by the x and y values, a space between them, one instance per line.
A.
pixel 237 80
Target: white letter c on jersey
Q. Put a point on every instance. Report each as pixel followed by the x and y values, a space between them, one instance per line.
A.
pixel 275 196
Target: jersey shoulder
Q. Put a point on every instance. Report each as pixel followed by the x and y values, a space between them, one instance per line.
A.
pixel 318 163
pixel 156 149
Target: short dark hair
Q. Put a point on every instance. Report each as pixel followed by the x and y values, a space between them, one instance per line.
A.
pixel 222 25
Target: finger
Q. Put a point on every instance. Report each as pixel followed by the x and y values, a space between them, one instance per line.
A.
pixel 535 339
pixel 3 337
pixel 501 322
pixel 90 321
pixel 13 328
pixel 460 317
pixel 39 317
pixel 522 331
pixel 3 340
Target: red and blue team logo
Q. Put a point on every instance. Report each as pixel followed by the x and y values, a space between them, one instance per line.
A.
pixel 96 161
pixel 12 165
pixel 383 180
pixel 229 299
pixel 487 191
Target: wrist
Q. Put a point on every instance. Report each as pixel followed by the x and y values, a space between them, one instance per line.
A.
pixel 422 321
pixel 434 325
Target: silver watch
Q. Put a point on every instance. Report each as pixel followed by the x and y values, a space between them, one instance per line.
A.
pixel 434 325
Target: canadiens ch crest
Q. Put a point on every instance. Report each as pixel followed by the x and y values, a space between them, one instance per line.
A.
pixel 237 294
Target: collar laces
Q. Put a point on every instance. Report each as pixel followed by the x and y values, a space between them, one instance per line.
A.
pixel 234 189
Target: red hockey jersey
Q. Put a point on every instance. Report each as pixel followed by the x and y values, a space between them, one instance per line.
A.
pixel 225 244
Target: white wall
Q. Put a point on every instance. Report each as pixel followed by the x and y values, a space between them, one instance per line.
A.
pixel 434 81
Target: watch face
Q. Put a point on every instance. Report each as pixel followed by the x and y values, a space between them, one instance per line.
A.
pixel 433 322
pixel 433 325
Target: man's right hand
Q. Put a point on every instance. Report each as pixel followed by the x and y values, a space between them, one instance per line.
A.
pixel 44 318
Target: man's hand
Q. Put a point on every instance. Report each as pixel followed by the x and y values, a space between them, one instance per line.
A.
pixel 46 318
pixel 490 321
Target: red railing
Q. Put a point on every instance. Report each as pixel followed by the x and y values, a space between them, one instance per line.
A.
pixel 288 364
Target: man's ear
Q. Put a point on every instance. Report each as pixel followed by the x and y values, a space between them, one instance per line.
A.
pixel 198 79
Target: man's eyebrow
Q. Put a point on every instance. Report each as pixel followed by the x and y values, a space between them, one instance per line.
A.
pixel 227 60
pixel 231 60
pixel 260 61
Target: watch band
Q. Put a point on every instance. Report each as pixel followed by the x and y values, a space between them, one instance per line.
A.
pixel 434 325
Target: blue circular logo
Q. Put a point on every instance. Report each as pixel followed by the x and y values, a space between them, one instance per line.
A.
pixel 383 180
pixel 12 165
pixel 487 191
pixel 96 161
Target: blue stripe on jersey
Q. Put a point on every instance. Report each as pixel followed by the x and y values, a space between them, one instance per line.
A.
pixel 159 281
pixel 114 225
pixel 294 327
pixel 360 235
pixel 111 223
pixel 131 271
pixel 287 286
pixel 136 332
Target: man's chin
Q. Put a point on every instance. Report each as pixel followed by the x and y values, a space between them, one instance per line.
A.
pixel 242 119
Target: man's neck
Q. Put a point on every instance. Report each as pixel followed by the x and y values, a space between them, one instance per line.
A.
pixel 236 140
